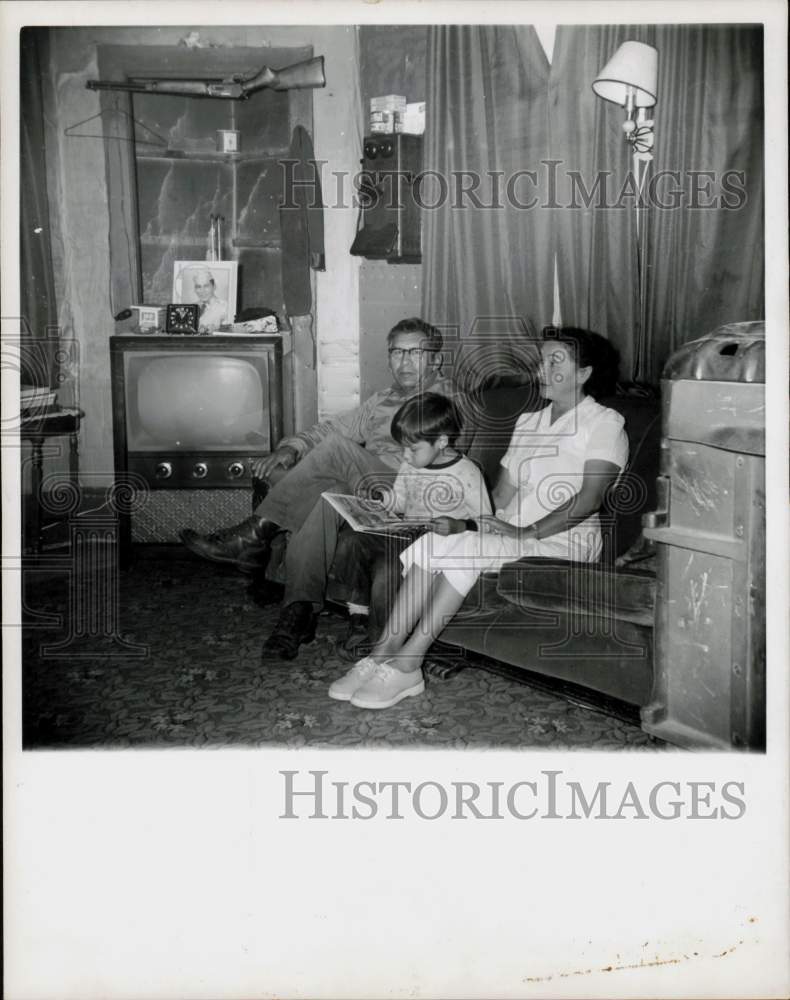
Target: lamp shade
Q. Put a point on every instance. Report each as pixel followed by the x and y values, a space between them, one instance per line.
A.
pixel 633 65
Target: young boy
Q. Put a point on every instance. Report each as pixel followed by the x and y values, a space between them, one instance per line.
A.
pixel 435 483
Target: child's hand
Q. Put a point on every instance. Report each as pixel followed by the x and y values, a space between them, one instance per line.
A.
pixel 494 526
pixel 448 526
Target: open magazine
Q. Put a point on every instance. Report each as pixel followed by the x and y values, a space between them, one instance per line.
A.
pixel 372 517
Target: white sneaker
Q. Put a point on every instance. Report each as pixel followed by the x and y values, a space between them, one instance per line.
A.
pixel 387 686
pixel 345 686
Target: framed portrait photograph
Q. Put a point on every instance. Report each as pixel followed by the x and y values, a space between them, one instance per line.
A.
pixel 211 285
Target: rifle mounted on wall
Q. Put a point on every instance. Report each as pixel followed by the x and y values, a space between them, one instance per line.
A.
pixel 300 76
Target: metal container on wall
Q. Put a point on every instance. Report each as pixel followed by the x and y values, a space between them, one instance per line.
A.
pixel 709 671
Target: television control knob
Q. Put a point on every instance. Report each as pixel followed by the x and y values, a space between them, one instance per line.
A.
pixel 236 470
pixel 199 470
pixel 163 470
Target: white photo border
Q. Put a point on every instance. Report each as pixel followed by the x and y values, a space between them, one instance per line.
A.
pixel 229 269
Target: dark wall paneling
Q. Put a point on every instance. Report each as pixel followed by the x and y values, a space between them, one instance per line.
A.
pixel 393 60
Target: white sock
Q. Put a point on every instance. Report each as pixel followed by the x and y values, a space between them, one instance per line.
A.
pixel 357 609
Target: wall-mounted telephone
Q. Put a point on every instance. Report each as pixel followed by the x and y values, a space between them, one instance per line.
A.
pixel 389 199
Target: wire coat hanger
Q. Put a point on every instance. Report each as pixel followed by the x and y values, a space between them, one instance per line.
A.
pixel 70 130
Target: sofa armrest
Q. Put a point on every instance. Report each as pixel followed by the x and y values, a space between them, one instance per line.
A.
pixel 626 594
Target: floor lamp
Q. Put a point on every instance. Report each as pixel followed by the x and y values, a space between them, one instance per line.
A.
pixel 630 79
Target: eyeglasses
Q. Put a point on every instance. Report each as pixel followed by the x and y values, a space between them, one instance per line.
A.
pixel 413 353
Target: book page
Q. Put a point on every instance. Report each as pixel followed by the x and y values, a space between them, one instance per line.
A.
pixel 370 515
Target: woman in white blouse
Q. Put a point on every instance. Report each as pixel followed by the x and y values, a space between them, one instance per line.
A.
pixel 560 462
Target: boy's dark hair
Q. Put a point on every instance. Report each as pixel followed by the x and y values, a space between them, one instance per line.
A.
pixel 416 325
pixel 589 349
pixel 425 418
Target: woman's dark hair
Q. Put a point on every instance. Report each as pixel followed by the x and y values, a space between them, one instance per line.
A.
pixel 593 350
pixel 416 325
pixel 425 418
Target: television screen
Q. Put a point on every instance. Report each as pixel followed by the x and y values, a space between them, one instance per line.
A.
pixel 196 402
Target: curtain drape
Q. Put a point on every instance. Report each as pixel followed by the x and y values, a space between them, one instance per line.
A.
pixel 494 104
pixel 707 258
pixel 39 310
pixel 488 257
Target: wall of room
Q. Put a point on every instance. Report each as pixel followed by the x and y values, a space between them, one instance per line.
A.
pixel 356 300
pixel 80 220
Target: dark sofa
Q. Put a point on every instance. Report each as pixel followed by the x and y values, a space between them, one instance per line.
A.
pixel 591 625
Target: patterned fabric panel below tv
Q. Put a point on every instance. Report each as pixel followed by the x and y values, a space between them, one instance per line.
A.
pixel 162 514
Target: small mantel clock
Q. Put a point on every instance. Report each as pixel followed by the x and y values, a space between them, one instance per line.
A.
pixel 182 319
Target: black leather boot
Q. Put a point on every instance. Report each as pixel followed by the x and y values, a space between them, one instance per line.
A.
pixel 245 545
pixel 295 625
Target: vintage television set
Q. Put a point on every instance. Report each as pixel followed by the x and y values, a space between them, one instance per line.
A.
pixel 190 414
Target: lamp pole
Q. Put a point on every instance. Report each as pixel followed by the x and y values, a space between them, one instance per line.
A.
pixel 630 79
pixel 641 163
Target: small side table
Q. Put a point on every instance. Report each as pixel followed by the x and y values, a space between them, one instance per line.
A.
pixel 37 428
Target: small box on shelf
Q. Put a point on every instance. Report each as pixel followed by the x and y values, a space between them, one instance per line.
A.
pixel 389 102
pixel 412 120
pixel 384 111
pixel 150 317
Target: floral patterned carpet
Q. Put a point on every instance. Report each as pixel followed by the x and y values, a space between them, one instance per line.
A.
pixel 174 661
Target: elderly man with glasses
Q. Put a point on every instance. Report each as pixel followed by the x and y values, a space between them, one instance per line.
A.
pixel 347 452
